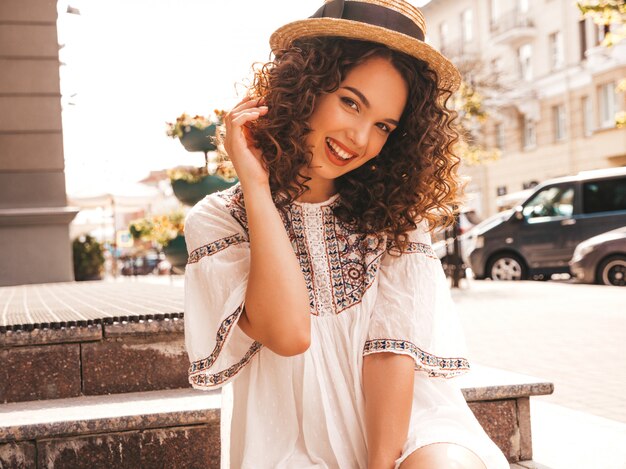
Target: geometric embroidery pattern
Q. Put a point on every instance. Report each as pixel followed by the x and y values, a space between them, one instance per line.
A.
pixel 435 366
pixel 197 370
pixel 338 263
pixel 414 248
pixel 215 246
pixel 345 263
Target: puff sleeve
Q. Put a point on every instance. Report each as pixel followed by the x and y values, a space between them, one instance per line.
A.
pixel 216 277
pixel 414 314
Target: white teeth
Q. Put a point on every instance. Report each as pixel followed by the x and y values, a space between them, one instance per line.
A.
pixel 338 151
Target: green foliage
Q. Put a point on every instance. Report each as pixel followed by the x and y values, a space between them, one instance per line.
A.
pixel 161 229
pixel 88 258
pixel 184 122
pixel 606 12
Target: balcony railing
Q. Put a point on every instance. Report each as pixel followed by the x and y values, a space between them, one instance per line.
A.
pixel 459 48
pixel 513 25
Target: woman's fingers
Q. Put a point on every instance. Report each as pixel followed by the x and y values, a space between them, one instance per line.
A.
pixel 247 103
pixel 248 115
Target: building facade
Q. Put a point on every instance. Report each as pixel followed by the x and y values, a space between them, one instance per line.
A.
pixel 554 112
pixel 35 245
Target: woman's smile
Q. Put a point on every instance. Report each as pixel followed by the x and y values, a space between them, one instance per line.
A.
pixel 337 153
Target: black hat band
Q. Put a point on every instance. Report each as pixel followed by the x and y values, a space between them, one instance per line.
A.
pixel 369 13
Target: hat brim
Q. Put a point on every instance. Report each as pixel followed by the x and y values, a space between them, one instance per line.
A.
pixel 449 77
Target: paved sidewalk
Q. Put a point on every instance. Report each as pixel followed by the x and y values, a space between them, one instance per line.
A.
pixel 572 335
pixel 568 439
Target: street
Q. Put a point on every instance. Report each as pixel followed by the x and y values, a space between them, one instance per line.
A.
pixel 572 335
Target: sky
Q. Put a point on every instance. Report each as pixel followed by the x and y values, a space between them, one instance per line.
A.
pixel 130 66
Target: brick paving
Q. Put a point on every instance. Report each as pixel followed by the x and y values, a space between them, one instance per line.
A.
pixel 84 303
pixel 573 335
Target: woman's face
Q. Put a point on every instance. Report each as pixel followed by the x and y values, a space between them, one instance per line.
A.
pixel 350 126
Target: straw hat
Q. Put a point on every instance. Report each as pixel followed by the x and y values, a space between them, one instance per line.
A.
pixel 394 23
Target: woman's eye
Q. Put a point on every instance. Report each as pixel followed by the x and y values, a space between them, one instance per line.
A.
pixel 351 103
pixel 384 127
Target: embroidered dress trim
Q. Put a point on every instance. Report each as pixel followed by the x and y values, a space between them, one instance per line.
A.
pixel 414 248
pixel 215 247
pixel 434 365
pixel 198 375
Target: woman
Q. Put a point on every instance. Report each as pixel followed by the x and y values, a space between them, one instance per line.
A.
pixel 312 286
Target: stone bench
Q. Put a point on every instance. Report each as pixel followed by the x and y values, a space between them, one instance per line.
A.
pixel 120 357
pixel 173 429
pixel 180 428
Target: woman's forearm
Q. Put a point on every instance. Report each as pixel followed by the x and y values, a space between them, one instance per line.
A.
pixel 277 301
pixel 388 380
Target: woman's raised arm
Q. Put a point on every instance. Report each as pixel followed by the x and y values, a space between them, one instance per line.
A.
pixel 276 310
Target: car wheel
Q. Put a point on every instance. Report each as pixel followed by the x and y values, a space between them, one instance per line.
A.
pixel 612 271
pixel 506 267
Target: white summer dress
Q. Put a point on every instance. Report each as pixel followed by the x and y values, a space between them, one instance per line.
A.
pixel 307 411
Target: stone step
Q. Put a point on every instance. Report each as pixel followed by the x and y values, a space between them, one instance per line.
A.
pixel 120 357
pixel 181 426
pixel 173 429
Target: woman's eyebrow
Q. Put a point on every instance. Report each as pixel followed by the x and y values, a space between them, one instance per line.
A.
pixel 367 103
pixel 359 94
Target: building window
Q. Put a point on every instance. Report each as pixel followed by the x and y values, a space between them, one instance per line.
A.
pixel 495 10
pixel 467 24
pixel 557 58
pixel 601 32
pixel 587 116
pixel 608 104
pixel 443 34
pixel 529 139
pixel 582 34
pixel 524 55
pixel 499 131
pixel 522 6
pixel 558 117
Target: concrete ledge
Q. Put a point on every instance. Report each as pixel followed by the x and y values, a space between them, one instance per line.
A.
pixel 500 401
pixel 173 429
pixel 105 414
pixel 93 360
pixel 484 383
pixel 51 336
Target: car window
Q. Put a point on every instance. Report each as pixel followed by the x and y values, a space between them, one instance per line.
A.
pixel 604 196
pixel 555 201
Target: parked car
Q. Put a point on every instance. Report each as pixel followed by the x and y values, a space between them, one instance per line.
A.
pixel 601 259
pixel 442 240
pixel 537 238
pixel 142 264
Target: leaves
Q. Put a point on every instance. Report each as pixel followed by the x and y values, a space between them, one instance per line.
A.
pixel 184 122
pixel 160 229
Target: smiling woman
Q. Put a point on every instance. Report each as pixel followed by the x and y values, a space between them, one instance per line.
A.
pixel 331 323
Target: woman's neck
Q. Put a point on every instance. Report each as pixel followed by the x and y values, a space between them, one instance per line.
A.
pixel 319 191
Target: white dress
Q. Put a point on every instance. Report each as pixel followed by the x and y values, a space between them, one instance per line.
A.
pixel 307 411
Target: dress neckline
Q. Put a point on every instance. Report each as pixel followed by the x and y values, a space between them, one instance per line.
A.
pixel 323 203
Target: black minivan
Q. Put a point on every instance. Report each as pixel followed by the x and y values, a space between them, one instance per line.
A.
pixel 537 238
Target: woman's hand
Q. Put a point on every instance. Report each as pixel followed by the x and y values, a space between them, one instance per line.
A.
pixel 238 144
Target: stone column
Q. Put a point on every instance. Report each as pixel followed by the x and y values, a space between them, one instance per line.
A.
pixel 34 217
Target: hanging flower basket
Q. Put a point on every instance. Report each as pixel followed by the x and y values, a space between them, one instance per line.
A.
pixel 195 139
pixel 176 253
pixel 190 193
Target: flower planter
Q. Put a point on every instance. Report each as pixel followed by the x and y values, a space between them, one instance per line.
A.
pixel 176 253
pixel 195 139
pixel 191 193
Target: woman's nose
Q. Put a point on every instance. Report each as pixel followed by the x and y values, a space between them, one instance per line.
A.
pixel 358 136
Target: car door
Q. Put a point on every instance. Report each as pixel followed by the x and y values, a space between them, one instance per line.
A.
pixel 548 226
pixel 603 206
